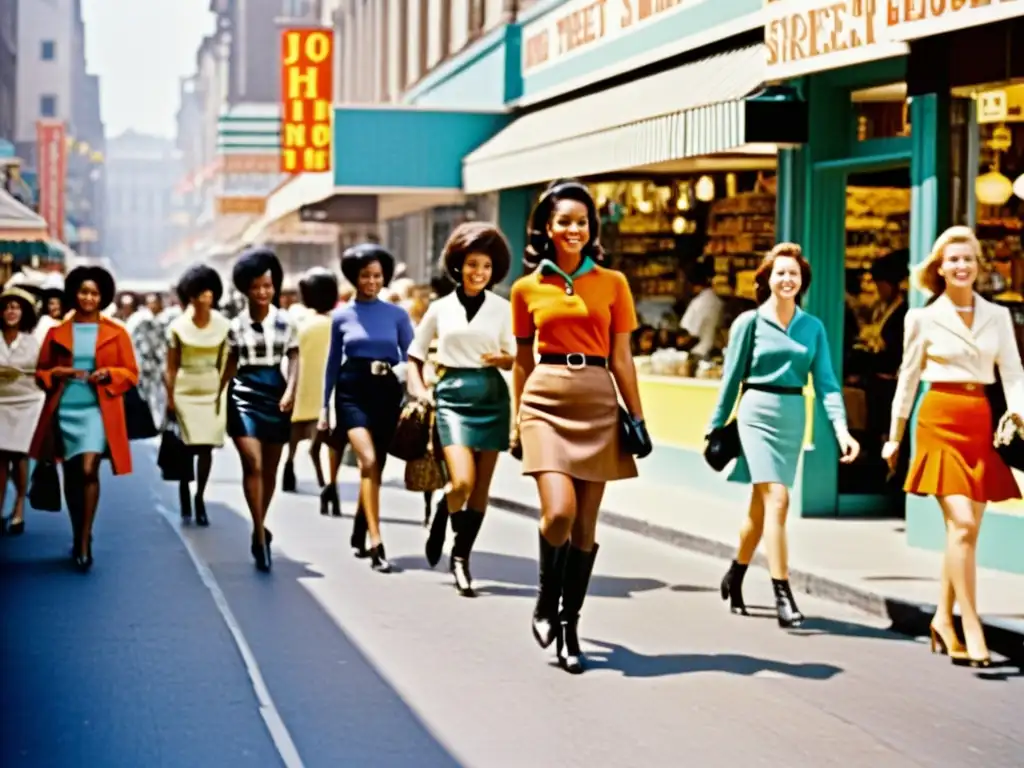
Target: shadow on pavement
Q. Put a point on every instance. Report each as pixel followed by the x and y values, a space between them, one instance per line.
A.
pixel 631 664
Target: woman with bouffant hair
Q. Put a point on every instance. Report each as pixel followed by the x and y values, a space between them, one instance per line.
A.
pixel 473 329
pixel 772 352
pixel 581 318
pixel 955 344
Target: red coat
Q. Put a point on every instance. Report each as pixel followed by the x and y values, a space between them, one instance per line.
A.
pixel 115 353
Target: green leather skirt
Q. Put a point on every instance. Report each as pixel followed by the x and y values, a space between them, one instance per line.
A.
pixel 473 408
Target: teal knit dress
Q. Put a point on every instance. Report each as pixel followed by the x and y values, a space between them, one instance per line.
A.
pixel 81 423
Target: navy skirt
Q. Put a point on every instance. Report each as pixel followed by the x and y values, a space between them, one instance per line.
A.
pixel 363 400
pixel 254 410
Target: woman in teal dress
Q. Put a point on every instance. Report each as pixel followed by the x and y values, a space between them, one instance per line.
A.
pixel 772 352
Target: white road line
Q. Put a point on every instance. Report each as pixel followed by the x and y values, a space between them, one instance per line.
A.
pixel 268 710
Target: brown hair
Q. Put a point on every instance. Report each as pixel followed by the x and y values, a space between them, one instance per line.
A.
pixel 764 271
pixel 476 237
pixel 927 275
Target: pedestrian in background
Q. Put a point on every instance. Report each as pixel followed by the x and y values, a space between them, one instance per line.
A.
pixel 260 395
pixel 149 336
pixel 581 317
pixel 86 366
pixel 473 329
pixel 52 306
pixel 197 351
pixel 772 351
pixel 954 344
pixel 369 337
pixel 21 400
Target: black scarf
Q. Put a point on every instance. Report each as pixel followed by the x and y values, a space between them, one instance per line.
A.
pixel 471 304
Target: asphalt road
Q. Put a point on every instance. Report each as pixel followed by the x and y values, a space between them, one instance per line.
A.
pixel 168 655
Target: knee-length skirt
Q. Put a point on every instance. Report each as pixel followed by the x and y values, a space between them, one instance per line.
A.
pixel 363 400
pixel 771 428
pixel 953 451
pixel 569 423
pixel 254 410
pixel 473 408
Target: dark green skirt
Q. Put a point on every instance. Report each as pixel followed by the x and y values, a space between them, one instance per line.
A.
pixel 473 408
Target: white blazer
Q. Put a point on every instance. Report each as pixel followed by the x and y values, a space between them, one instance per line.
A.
pixel 939 347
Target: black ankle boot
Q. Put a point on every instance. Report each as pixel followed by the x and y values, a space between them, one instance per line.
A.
pixel 732 588
pixel 466 525
pixel 288 483
pixel 185 502
pixel 359 531
pixel 201 519
pixel 578 567
pixel 438 532
pixel 549 590
pixel 330 504
pixel 789 615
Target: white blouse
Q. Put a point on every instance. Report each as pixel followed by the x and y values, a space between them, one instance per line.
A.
pixel 18 370
pixel 462 343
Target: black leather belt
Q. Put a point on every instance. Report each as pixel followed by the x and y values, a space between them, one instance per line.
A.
pixel 773 390
pixel 575 360
pixel 374 367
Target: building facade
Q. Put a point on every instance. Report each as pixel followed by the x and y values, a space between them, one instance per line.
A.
pixel 8 69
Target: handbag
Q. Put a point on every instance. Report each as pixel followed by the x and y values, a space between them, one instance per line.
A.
pixel 426 473
pixel 412 434
pixel 137 416
pixel 44 490
pixel 174 458
pixel 1008 442
pixel 723 444
pixel 633 433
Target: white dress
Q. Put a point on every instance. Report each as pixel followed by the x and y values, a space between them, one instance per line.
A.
pixel 21 400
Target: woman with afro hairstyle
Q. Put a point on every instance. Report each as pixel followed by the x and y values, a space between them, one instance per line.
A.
pixel 86 365
pixel 369 337
pixel 581 317
pixel 197 345
pixel 260 397
pixel 473 328
pixel 318 289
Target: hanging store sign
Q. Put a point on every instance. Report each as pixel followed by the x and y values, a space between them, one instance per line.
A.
pixel 307 84
pixel 234 206
pixel 805 36
pixel 580 25
pixel 51 148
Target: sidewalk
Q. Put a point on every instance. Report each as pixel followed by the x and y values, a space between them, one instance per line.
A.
pixel 864 563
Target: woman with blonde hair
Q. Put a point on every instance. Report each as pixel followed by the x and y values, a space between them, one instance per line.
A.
pixel 954 344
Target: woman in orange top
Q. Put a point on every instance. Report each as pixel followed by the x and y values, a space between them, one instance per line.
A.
pixel 86 366
pixel 581 317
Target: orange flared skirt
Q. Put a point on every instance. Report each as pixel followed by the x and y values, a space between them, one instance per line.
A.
pixel 954 454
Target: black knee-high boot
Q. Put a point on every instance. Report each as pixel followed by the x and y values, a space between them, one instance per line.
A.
pixel 359 531
pixel 466 525
pixel 579 565
pixel 438 532
pixel 545 613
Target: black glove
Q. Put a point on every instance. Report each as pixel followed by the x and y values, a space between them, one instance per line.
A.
pixel 643 439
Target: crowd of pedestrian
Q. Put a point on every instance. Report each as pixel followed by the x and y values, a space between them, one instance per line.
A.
pixel 343 367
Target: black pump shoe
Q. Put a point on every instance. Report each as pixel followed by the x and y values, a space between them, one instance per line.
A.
pixel 579 565
pixel 438 533
pixel 261 552
pixel 732 588
pixel 789 615
pixel 288 483
pixel 201 519
pixel 378 560
pixel 10 527
pixel 545 612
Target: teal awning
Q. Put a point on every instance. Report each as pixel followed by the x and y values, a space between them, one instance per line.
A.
pixel 24 251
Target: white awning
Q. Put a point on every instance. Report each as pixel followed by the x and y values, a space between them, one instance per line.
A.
pixel 304 189
pixel 693 110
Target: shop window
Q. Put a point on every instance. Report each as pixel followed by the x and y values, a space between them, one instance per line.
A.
pixel 881 112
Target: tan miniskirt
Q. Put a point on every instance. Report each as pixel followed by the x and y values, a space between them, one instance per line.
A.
pixel 569 423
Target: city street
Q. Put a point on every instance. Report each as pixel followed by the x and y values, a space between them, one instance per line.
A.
pixel 174 651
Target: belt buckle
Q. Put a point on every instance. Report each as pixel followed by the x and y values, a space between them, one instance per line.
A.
pixel 576 366
pixel 970 386
pixel 379 368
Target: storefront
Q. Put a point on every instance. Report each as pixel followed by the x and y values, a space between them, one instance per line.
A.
pixel 911 131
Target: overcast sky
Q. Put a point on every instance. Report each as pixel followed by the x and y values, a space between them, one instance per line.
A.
pixel 140 49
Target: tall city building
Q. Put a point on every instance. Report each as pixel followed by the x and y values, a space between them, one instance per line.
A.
pixel 8 68
pixel 142 172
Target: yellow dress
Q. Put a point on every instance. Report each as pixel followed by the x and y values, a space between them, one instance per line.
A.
pixel 203 354
pixel 314 344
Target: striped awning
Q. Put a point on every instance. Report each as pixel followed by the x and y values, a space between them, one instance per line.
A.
pixel 693 110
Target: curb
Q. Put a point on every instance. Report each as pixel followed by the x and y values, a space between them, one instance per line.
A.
pixel 1005 637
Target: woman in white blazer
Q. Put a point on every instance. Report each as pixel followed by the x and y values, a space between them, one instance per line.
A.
pixel 954 344
pixel 473 328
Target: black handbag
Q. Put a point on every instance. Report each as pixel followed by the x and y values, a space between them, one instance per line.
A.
pixel 174 458
pixel 723 444
pixel 1013 452
pixel 137 416
pixel 634 435
pixel 44 490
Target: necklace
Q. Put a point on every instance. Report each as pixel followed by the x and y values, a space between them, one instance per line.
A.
pixel 963 310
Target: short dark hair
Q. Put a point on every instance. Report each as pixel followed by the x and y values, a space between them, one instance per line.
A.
pixel 764 271
pixel 252 264
pixel 196 280
pixel 355 259
pixel 103 279
pixel 702 271
pixel 893 268
pixel 538 243
pixel 29 316
pixel 319 290
pixel 476 237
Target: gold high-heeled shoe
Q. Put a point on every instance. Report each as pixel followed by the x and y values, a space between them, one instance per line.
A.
pixel 952 648
pixel 967 661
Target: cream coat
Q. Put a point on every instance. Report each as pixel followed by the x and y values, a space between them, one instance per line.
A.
pixel 939 347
